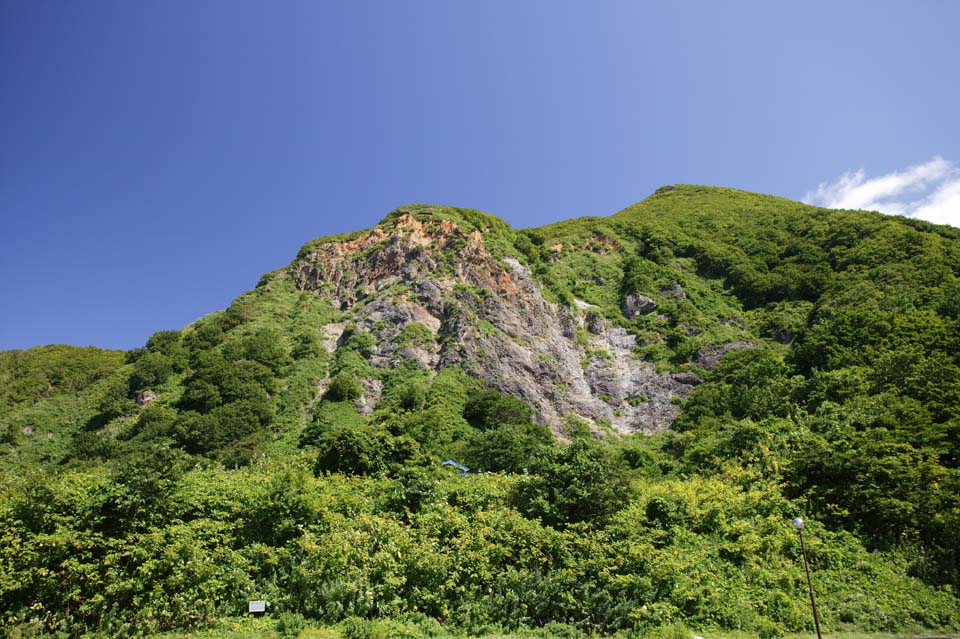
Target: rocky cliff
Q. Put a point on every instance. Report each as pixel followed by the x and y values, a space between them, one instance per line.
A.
pixel 489 316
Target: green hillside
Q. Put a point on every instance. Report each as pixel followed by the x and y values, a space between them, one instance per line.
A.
pixel 645 401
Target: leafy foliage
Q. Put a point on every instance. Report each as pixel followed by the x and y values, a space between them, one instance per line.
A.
pixel 582 482
pixel 490 409
pixel 344 387
pixel 29 376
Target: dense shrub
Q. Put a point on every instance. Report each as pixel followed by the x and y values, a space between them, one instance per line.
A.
pixel 344 387
pixel 150 371
pixel 266 346
pixel 363 450
pixel 580 482
pixel 510 448
pixel 29 376
pixel 490 409
pixel 307 344
pixel 168 343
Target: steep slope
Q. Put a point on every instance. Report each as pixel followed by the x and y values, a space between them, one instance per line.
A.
pixel 604 323
pixel 489 317
pixel 45 393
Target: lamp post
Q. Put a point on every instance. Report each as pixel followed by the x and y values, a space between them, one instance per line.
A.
pixel 798 524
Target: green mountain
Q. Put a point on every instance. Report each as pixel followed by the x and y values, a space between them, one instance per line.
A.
pixel 652 396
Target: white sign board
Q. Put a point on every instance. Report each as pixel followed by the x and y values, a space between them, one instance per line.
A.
pixel 257 606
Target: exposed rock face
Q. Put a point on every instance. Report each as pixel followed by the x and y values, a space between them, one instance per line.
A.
pixel 145 398
pixel 675 292
pixel 595 323
pixel 709 356
pixel 372 392
pixel 691 379
pixel 465 308
pixel 635 304
pixel 635 398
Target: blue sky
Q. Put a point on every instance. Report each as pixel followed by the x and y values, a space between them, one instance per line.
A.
pixel 157 157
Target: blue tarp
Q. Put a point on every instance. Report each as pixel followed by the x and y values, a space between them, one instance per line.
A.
pixel 460 467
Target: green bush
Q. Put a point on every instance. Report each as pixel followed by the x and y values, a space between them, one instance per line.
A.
pixel 362 450
pixel 580 482
pixel 412 396
pixel 490 409
pixel 509 448
pixel 32 375
pixel 114 401
pixel 344 387
pixel 356 628
pixel 290 624
pixel 307 344
pixel 265 346
pixel 150 372
pixel 168 343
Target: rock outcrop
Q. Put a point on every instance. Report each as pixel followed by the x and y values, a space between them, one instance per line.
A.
pixel 489 317
pixel 636 304
pixel 709 356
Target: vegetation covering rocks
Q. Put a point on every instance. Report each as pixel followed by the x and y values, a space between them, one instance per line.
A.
pixel 644 401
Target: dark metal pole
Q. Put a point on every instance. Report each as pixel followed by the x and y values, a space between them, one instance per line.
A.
pixel 813 601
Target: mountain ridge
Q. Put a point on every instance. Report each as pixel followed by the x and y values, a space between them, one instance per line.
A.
pixel 614 330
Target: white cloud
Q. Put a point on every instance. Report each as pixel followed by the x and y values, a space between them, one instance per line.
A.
pixel 929 191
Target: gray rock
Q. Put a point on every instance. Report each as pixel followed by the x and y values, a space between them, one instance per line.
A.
pixel 690 329
pixel 674 292
pixel 517 268
pixel 594 323
pixel 510 336
pixel 620 339
pixel 709 356
pixel 635 304
pixel 372 393
pixel 690 379
pixel 583 306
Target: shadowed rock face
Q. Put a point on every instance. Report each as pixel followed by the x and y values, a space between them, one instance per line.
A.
pixel 488 317
pixel 635 304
